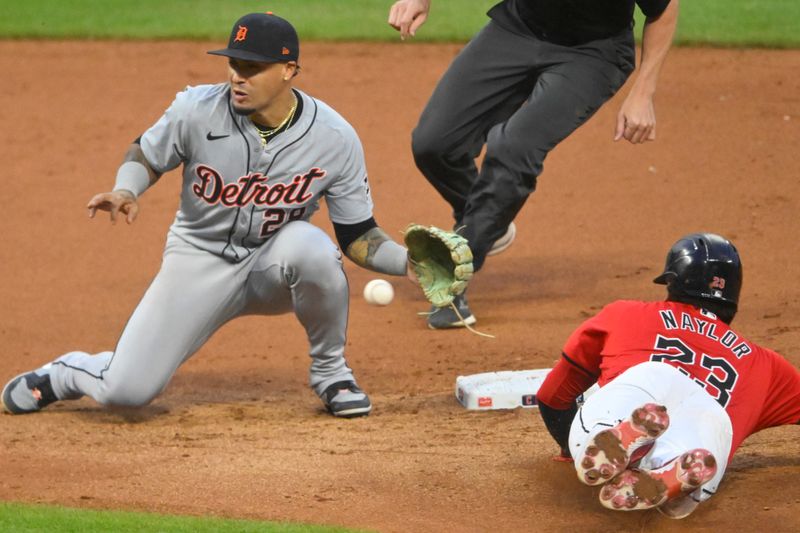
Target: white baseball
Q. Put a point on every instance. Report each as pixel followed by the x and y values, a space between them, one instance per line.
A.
pixel 378 292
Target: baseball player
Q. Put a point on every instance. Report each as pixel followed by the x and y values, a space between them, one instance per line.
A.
pixel 258 156
pixel 679 389
pixel 534 74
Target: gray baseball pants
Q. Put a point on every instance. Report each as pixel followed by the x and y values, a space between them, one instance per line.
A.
pixel 196 292
pixel 520 96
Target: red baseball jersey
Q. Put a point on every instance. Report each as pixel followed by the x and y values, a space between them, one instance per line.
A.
pixel 756 386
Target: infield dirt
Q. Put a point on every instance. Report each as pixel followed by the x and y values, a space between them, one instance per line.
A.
pixel 237 433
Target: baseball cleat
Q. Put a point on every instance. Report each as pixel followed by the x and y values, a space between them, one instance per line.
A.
pixel 635 489
pixel 446 317
pixel 345 399
pixel 505 241
pixel 609 452
pixel 29 392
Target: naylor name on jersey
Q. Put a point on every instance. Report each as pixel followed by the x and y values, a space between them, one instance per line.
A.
pixel 253 188
pixel 706 328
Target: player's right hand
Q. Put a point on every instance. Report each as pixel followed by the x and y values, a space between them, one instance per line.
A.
pixel 115 202
pixel 406 16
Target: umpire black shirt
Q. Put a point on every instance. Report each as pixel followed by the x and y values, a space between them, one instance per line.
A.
pixel 571 22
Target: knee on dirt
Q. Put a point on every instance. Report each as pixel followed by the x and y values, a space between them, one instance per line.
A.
pixel 127 393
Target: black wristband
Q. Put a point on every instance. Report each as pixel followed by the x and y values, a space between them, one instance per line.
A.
pixel 347 233
pixel 558 422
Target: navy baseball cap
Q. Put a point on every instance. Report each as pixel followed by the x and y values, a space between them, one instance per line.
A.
pixel 262 37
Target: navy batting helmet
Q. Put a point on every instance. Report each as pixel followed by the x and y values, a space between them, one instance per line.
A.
pixel 704 266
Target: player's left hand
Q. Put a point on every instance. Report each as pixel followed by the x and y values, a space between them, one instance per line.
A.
pixel 406 16
pixel 563 457
pixel 441 261
pixel 636 120
pixel 115 202
pixel 411 274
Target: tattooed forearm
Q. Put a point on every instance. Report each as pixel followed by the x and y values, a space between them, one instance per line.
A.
pixel 375 250
pixel 136 154
pixel 362 250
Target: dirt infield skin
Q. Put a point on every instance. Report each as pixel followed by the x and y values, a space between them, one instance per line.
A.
pixel 237 433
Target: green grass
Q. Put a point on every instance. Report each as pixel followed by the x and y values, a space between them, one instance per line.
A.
pixel 767 23
pixel 19 518
pixel 741 23
pixel 452 20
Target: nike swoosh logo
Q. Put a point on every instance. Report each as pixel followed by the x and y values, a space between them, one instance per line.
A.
pixel 211 137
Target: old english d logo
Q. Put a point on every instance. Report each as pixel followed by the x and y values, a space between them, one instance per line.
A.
pixel 241 34
pixel 285 51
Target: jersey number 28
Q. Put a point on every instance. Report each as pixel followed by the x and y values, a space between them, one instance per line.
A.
pixel 275 218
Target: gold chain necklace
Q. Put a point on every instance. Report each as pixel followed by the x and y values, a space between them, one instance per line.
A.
pixel 266 134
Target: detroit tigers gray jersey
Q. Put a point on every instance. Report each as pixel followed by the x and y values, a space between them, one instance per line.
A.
pixel 240 244
pixel 236 192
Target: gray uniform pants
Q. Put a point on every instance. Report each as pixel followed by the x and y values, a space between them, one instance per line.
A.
pixel 196 292
pixel 520 96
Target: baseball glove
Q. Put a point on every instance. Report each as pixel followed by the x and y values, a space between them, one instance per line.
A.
pixel 442 262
